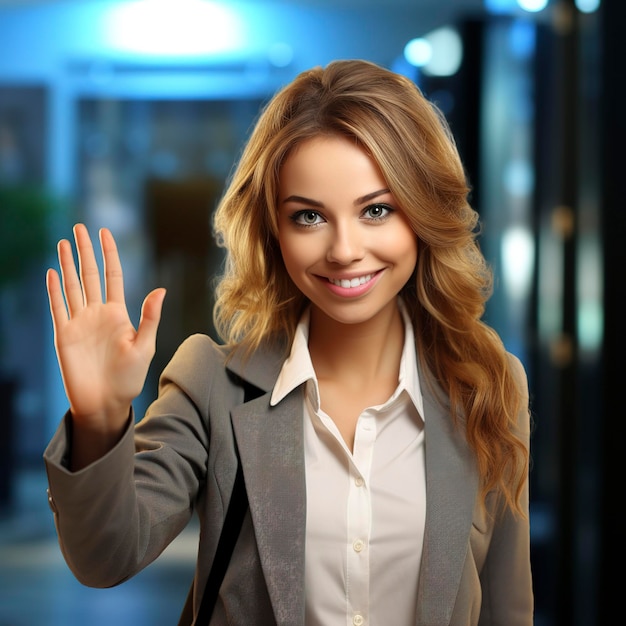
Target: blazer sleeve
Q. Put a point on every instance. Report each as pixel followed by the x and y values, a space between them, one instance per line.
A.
pixel 506 577
pixel 118 514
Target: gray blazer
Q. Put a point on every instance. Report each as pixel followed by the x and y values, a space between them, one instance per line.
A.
pixel 117 515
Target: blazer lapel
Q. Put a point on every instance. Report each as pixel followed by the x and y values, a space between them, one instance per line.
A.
pixel 451 485
pixel 270 441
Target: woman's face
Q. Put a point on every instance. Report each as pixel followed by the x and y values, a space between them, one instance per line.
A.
pixel 344 240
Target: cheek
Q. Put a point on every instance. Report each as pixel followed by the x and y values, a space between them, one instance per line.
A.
pixel 408 242
pixel 401 245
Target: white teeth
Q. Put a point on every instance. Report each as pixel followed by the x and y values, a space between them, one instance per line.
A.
pixel 355 282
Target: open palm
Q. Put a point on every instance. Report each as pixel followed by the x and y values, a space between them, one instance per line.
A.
pixel 103 359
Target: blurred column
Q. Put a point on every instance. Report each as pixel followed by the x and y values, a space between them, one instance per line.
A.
pixel 611 413
pixel 557 390
pixel 564 347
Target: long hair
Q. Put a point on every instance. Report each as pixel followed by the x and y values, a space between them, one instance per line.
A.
pixel 410 141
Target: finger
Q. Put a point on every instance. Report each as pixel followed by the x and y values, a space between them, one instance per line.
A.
pixel 149 321
pixel 58 311
pixel 71 283
pixel 89 273
pixel 113 275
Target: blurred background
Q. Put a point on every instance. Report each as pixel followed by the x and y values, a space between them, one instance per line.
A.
pixel 130 114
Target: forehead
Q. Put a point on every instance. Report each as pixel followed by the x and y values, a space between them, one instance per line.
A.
pixel 330 162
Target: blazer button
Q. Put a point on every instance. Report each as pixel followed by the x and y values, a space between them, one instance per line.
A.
pixel 51 503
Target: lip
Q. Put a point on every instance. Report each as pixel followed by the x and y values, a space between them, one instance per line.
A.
pixel 365 283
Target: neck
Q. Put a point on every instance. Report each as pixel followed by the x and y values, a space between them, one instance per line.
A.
pixel 358 352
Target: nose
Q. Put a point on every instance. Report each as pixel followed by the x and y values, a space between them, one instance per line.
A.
pixel 346 244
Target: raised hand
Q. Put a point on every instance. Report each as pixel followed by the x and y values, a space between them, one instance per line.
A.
pixel 103 359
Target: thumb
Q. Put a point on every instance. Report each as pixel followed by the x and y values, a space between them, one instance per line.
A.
pixel 150 318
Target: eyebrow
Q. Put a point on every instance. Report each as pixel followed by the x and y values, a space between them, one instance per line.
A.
pixel 361 200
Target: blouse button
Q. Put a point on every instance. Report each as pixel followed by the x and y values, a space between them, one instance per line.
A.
pixel 358 620
pixel 359 482
pixel 358 545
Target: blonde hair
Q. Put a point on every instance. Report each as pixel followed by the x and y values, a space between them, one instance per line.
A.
pixel 411 142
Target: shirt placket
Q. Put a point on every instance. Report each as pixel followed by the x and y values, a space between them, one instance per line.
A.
pixel 359 516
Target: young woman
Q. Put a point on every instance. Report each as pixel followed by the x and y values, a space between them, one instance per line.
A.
pixel 380 427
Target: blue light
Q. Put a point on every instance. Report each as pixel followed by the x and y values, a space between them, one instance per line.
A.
pixel 438 53
pixel 418 52
pixel 533 6
pixel 507 7
pixel 522 39
pixel 181 28
pixel 587 6
pixel 447 52
pixel 500 6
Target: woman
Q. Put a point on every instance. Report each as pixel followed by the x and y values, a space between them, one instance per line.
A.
pixel 381 428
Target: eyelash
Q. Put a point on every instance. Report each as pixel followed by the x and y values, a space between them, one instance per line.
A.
pixel 299 215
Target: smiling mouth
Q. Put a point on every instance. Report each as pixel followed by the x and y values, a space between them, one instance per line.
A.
pixel 354 282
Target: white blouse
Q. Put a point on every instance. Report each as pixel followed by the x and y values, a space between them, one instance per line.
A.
pixel 365 509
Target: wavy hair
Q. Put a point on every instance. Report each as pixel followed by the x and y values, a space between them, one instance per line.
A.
pixel 409 139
